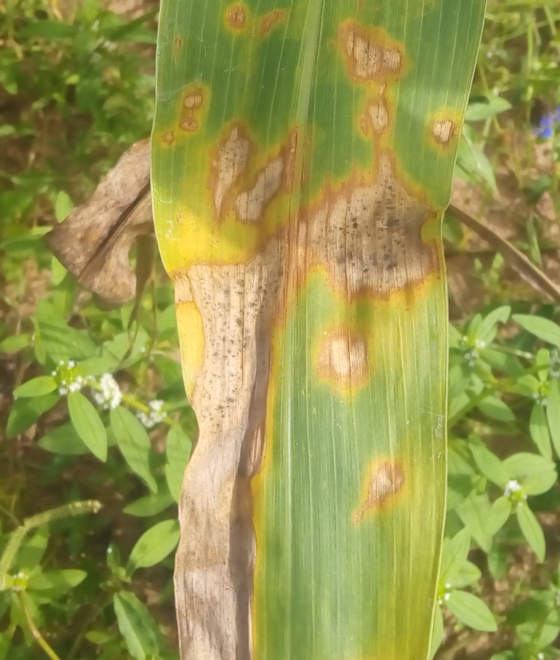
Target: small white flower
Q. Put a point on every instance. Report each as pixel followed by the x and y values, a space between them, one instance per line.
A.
pixel 512 486
pixel 110 395
pixel 480 343
pixel 155 416
pixel 554 365
pixel 446 596
pixel 68 380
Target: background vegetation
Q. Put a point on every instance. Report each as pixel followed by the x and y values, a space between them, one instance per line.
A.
pixel 94 423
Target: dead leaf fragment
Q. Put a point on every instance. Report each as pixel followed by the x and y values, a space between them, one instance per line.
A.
pixel 93 243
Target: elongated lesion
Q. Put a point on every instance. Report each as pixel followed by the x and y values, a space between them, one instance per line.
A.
pixel 237 304
pixel 384 479
pixel 370 54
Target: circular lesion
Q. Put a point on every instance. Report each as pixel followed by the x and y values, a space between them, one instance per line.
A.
pixel 343 360
pixel 236 16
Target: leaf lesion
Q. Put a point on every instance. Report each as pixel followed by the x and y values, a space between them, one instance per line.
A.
pixel 384 480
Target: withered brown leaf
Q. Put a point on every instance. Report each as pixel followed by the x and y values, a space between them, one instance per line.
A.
pixel 94 242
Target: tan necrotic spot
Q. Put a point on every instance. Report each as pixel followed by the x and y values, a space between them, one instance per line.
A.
pixel 444 131
pixel 168 137
pixel 229 163
pixel 193 100
pixel 271 20
pixel 189 125
pixel 343 360
pixel 392 59
pixel 368 235
pixel 384 480
pixel 177 45
pixel 379 116
pixel 236 17
pixel 251 204
pixel 369 54
pixel 191 105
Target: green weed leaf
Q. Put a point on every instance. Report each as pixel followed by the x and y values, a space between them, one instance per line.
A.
pixel 532 531
pixel 57 582
pixel 177 452
pixel 540 327
pixel 15 343
pixel 25 412
pixel 48 29
pixel 134 443
pixel 486 108
pixel 63 206
pixel 32 550
pixel 473 512
pixel 471 611
pixel 150 505
pixel 553 413
pixel 58 271
pixel 538 428
pixel 136 626
pixel 437 632
pixel 36 387
pixel 489 464
pixel 63 440
pixel 535 473
pixel 454 554
pixel 467 574
pixel 487 329
pixel 499 514
pixel 496 409
pixel 154 545
pixel 88 424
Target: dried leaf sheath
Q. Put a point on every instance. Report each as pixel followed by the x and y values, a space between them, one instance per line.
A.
pixel 302 157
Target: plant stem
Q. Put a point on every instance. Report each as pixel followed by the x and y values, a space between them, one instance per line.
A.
pixel 34 631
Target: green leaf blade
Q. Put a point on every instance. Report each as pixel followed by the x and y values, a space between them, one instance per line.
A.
pixel 540 327
pixel 134 443
pixel 136 626
pixel 88 424
pixel 36 387
pixel 532 531
pixel 471 611
pixel 154 545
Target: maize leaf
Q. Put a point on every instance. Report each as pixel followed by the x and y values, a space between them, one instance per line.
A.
pixel 302 156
